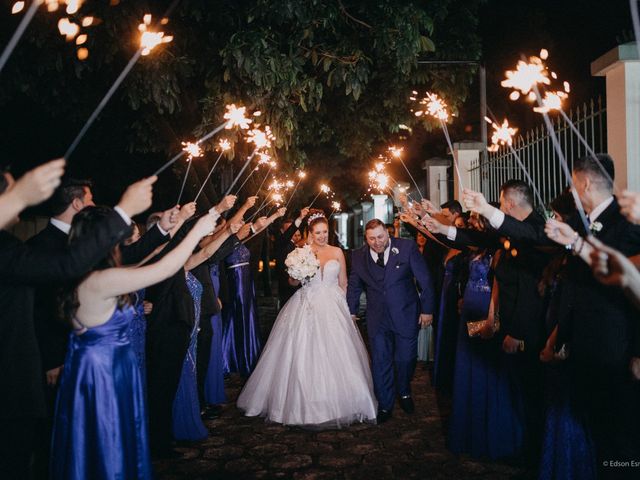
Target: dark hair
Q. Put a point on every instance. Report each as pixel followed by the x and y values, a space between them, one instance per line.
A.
pixel 66 193
pixel 319 219
pixel 564 204
pixel 4 183
pixel 374 223
pixel 83 223
pixel 520 188
pixel 453 206
pixel 593 168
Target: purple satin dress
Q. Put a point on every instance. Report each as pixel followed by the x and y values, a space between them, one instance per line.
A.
pixel 241 344
pixel 187 422
pixel 214 381
pixel 100 426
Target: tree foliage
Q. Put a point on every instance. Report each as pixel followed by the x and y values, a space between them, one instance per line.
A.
pixel 332 78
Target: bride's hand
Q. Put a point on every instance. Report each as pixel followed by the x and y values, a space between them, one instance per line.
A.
pixel 354 318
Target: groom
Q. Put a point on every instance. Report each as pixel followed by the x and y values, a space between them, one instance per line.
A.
pixel 385 269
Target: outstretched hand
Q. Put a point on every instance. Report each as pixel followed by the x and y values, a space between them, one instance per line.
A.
pixel 138 196
pixel 38 184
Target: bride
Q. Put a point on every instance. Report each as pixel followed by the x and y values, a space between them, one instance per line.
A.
pixel 314 370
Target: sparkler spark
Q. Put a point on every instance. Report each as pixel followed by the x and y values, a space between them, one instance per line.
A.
pixel 335 206
pixel 224 145
pixel 68 28
pixel 259 138
pixel 526 76
pixel 324 188
pixel 192 150
pixel 236 117
pixel 301 174
pixel 17 7
pixel 551 101
pixel 396 151
pixel 502 134
pixel 149 40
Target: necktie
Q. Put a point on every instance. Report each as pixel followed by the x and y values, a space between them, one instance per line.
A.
pixel 380 260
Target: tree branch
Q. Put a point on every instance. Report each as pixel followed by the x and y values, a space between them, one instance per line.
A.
pixel 346 14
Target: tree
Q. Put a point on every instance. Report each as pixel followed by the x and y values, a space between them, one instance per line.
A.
pixel 332 78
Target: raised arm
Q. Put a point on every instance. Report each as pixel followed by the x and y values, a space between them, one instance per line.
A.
pixel 239 215
pixel 113 282
pixel 33 187
pixel 206 252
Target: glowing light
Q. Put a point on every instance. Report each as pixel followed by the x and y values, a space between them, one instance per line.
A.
pixel 324 188
pixel 502 134
pixel 236 117
pixel 258 138
pixel 551 101
pixel 17 7
pixel 396 151
pixel 67 28
pixel 289 184
pixel 301 174
pixel 149 40
pixel 73 6
pixel 264 158
pixel 83 53
pixel 87 21
pixel 526 75
pixel 335 206
pixel 192 150
pixel 81 39
pixel 224 145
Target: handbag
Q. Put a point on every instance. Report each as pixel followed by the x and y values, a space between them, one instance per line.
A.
pixel 473 328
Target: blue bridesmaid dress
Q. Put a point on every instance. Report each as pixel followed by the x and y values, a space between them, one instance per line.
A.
pixel 138 332
pixel 214 381
pixel 486 416
pixel 100 425
pixel 187 422
pixel 241 336
pixel 568 451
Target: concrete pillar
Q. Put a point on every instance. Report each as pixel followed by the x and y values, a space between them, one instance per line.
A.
pixel 621 67
pixel 437 179
pixel 467 153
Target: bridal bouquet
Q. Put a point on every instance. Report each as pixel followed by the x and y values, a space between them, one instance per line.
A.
pixel 302 264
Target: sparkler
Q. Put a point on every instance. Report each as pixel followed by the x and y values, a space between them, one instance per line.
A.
pixel 22 26
pixel 323 189
pixel 397 153
pixel 301 175
pixel 233 119
pixel 148 41
pixel 436 107
pixel 264 159
pixel 335 207
pixel 224 146
pixel 261 139
pixel 525 79
pixel 503 135
pixel 194 151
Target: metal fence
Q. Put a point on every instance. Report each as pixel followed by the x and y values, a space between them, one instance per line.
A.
pixel 536 151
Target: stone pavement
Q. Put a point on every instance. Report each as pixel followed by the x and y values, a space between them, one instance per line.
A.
pixel 406 447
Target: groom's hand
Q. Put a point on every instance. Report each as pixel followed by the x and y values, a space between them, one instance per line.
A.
pixel 425 320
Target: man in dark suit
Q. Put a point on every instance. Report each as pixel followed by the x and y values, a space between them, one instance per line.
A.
pixel 285 243
pixel 598 321
pixel 387 270
pixel 21 394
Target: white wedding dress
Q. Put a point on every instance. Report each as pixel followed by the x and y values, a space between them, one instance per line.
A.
pixel 314 370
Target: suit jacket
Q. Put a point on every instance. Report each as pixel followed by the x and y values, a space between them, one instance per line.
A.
pixel 52 332
pixel 21 267
pixel 395 302
pixel 601 324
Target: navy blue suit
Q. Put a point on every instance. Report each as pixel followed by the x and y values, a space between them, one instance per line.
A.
pixel 393 308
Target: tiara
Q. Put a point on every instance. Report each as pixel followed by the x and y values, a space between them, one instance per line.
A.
pixel 315 216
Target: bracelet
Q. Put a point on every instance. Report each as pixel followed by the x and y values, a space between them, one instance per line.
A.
pixel 569 246
pixel 577 249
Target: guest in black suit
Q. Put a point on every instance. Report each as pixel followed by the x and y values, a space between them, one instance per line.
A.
pixel 290 235
pixel 22 399
pixel 598 322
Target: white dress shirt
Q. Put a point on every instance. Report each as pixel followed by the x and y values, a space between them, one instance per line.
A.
pixel 65 227
pixel 374 255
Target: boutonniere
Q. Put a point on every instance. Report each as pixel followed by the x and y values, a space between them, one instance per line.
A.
pixel 395 251
pixel 595 227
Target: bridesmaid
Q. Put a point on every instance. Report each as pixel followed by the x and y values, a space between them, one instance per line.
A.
pixel 425 334
pixel 486 417
pixel 214 382
pixel 100 428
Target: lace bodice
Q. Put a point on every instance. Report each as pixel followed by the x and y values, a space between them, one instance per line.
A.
pixel 328 274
